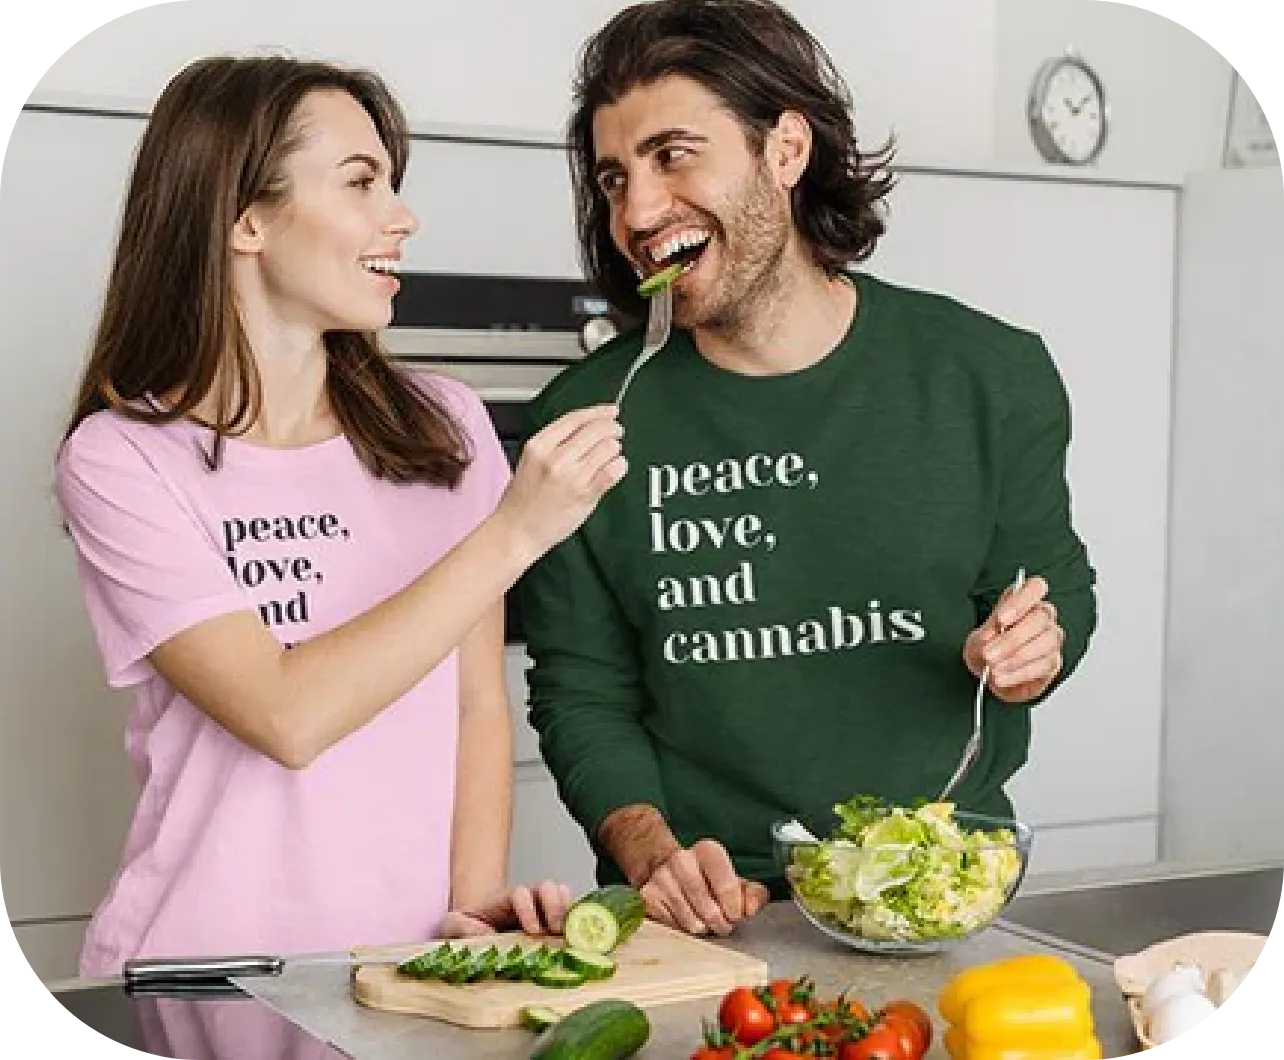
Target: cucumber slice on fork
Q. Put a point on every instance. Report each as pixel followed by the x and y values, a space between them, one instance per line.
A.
pixel 658 281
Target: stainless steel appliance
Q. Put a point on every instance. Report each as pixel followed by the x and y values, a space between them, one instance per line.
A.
pixel 504 336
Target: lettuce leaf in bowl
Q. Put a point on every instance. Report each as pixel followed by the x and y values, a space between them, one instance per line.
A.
pixel 897 873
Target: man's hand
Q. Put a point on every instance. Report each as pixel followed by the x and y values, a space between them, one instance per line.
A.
pixel 694 890
pixel 537 910
pixel 1020 642
pixel 698 891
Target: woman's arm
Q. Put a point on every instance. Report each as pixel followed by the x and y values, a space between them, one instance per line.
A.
pixel 484 771
pixel 480 900
pixel 291 705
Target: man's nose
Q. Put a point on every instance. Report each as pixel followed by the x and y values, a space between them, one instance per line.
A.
pixel 646 201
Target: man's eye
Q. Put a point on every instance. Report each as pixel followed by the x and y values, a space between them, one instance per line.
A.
pixel 669 155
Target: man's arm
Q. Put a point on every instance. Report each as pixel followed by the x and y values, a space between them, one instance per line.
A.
pixel 1034 529
pixel 639 840
pixel 587 694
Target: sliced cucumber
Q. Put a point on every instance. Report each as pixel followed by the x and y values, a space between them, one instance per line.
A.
pixel 658 281
pixel 425 965
pixel 460 967
pixel 510 965
pixel 593 965
pixel 603 1030
pixel 559 977
pixel 482 965
pixel 603 919
pixel 443 960
pixel 538 960
pixel 537 1017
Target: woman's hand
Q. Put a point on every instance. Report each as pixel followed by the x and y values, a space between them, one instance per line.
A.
pixel 538 910
pixel 563 472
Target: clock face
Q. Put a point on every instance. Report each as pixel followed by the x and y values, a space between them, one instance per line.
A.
pixel 1073 113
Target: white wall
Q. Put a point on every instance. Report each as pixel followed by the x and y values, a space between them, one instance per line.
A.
pixel 1168 92
pixel 949 77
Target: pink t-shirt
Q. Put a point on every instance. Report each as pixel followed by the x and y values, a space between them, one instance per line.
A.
pixel 229 852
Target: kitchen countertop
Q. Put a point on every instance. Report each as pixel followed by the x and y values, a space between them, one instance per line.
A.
pixel 317 997
pixel 1105 912
pixel 1113 912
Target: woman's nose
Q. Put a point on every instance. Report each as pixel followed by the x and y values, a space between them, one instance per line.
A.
pixel 403 221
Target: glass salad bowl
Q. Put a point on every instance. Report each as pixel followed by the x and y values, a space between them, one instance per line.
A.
pixel 903 881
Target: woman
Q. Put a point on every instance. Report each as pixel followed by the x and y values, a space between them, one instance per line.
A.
pixel 294 553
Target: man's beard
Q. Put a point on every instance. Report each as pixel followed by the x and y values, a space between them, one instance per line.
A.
pixel 751 243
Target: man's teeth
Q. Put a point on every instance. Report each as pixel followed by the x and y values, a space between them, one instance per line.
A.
pixel 682 241
pixel 382 265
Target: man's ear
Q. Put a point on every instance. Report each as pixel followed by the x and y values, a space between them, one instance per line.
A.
pixel 790 146
pixel 247 233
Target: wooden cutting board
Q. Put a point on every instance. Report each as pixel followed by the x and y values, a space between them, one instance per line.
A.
pixel 656 966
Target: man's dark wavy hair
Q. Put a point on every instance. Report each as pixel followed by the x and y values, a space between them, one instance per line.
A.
pixel 756 58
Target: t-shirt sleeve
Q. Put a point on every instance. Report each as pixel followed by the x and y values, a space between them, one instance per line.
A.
pixel 488 474
pixel 148 570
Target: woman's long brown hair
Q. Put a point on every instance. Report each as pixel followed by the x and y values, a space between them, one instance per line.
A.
pixel 217 142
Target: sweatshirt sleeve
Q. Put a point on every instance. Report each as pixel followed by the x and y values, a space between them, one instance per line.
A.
pixel 587 694
pixel 1034 528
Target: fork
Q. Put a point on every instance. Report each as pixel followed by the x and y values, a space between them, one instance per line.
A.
pixel 658 322
pixel 973 748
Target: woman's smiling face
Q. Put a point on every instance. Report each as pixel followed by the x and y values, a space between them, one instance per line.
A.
pixel 329 251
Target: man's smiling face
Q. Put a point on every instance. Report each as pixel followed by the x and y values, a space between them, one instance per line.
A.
pixel 684 184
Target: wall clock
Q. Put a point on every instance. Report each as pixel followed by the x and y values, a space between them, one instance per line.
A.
pixel 1067 111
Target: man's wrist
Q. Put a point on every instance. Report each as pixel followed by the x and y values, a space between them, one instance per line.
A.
pixel 638 839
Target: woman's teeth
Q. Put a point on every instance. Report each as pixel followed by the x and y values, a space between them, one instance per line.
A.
pixel 383 266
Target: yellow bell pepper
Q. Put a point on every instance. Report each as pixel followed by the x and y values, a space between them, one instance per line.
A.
pixel 962 988
pixel 1027 1008
pixel 959 1048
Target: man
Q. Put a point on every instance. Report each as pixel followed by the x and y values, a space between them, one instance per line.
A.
pixel 790 598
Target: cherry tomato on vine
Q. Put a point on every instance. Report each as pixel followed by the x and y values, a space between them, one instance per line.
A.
pixel 744 1014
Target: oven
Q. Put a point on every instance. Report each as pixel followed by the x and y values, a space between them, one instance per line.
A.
pixel 505 337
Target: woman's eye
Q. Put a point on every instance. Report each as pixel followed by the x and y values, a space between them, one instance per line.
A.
pixel 611 184
pixel 669 155
pixel 365 183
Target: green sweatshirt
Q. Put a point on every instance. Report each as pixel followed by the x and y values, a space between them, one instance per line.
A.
pixel 767 615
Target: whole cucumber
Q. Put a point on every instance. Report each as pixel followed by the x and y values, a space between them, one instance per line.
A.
pixel 601 920
pixel 609 1029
